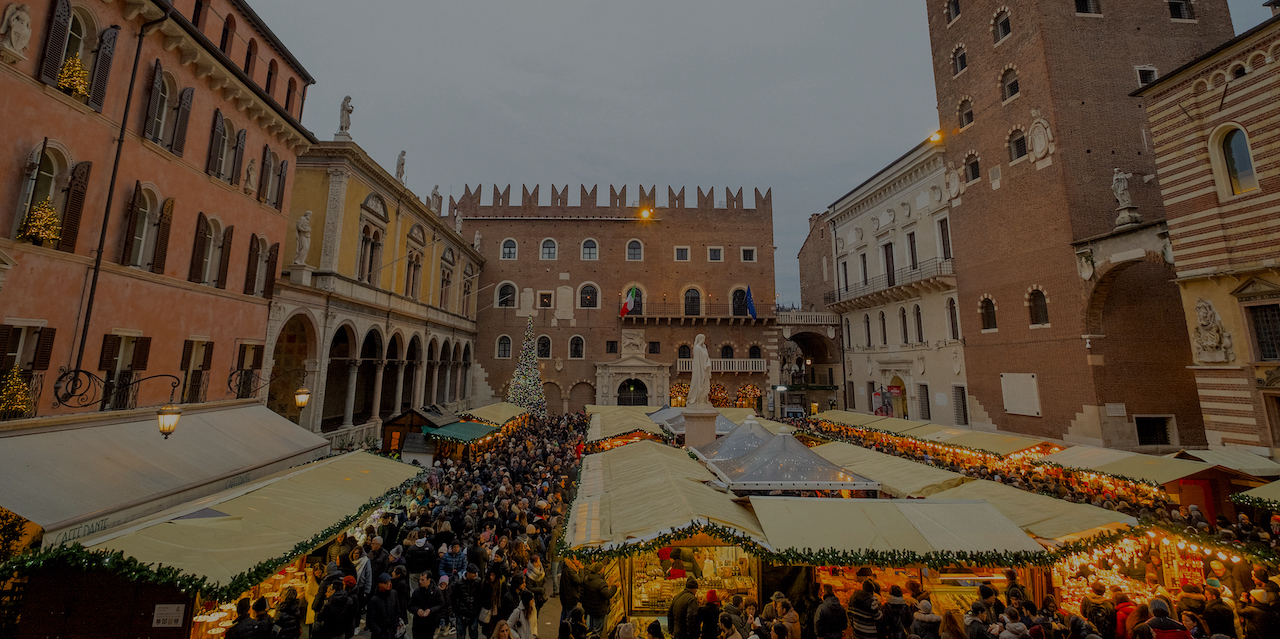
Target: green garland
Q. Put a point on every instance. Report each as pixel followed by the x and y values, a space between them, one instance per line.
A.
pixel 1261 503
pixel 129 568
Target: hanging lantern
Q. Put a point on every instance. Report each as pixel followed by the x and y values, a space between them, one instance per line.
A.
pixel 168 417
pixel 301 397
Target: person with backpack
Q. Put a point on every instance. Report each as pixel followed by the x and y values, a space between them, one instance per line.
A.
pixel 1098 609
pixel 897 615
pixel 830 621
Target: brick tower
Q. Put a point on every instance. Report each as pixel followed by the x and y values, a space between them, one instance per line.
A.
pixel 1072 323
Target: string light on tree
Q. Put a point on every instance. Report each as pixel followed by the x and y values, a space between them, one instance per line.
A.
pixel 15 397
pixel 525 389
pixel 42 223
pixel 74 77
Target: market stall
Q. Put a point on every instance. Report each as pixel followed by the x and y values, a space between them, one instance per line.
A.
pixel 610 429
pixel 464 439
pixel 898 477
pixel 782 463
pixel 1048 518
pixel 1234 458
pixel 503 416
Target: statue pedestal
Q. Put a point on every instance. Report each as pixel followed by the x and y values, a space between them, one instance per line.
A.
pixel 342 136
pixel 300 274
pixel 1128 215
pixel 699 426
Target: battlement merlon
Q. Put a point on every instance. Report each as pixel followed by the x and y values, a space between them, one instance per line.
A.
pixel 470 204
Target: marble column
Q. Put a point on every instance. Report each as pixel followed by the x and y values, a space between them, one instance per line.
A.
pixel 395 410
pixel 433 372
pixel 415 395
pixel 379 366
pixel 353 370
pixel 448 376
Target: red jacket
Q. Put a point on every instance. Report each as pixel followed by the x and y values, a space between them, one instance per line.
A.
pixel 1122 617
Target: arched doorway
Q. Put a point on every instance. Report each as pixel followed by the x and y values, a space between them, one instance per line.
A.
pixel 555 401
pixel 580 395
pixel 897 390
pixel 337 378
pixel 291 352
pixel 633 392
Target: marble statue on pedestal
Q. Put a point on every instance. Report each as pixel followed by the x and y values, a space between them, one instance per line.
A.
pixel 400 168
pixel 700 376
pixel 303 228
pixel 1120 187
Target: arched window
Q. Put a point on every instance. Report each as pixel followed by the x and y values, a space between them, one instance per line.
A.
pixel 504 347
pixel 446 280
pixel 739 303
pixel 251 58
pixel 272 70
pixel 508 249
pixel 959 61
pixel 590 250
pixel 692 302
pixel 902 326
pixel 919 325
pixel 1001 27
pixel 507 296
pixel 726 352
pixel 47 173
pixel 158 117
pixel 866 328
pixel 953 10
pixel 544 347
pixel 635 251
pixel 966 113
pixel 589 297
pixel 953 320
pixel 548 249
pixel 576 348
pixel 988 315
pixel 144 219
pixel 228 34
pixel 1239 164
pixel 884 331
pixel 754 352
pixel 1039 307
pixel 1008 84
pixel 289 93
pixel 684 352
pixel 198 14
pixel 1017 145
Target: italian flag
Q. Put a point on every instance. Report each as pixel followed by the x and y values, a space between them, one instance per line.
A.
pixel 630 303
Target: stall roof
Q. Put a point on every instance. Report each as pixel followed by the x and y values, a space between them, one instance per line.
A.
pixel 1086 457
pixel 740 441
pixel 613 424
pixel 636 492
pixel 783 463
pixel 462 431
pixel 429 416
pixel 223 535
pixel 1040 515
pixel 592 409
pixel 898 425
pixel 496 414
pixel 996 443
pixel 1269 491
pixel 848 418
pixel 103 474
pixel 1234 458
pixel 1160 470
pixel 737 415
pixel 665 413
pixel 772 426
pixel 897 476
pixel 920 526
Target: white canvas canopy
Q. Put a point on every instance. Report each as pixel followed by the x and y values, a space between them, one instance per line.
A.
pixel 897 476
pixel 1041 515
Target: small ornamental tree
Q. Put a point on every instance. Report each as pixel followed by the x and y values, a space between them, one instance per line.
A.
pixel 525 389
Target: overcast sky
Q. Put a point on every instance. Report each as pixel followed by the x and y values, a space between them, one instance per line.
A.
pixel 807 98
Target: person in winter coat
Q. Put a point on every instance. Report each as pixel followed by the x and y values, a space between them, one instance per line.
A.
pixel 897 614
pixel 682 614
pixel 924 623
pixel 709 617
pixel 1098 608
pixel 383 614
pixel 453 561
pixel 1140 615
pixel 596 594
pixel 1013 627
pixel 575 627
pixel 333 618
pixel 790 619
pixel 830 621
pixel 951 627
pixel 570 585
pixel 524 619
pixel 245 626
pixel 333 575
pixel 975 623
pixel 727 629
pixel 535 577
pixel 425 605
pixel 1078 627
pixel 864 611
pixel 734 610
pixel 1163 625
pixel 419 558
pixel 465 602
pixel 1262 619
pixel 490 599
pixel 289 615
pixel 1192 600
pixel 1013 589
pixel 1124 608
pixel 1218 615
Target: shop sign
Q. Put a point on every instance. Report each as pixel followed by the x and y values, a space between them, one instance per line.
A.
pixel 168 616
pixel 896 391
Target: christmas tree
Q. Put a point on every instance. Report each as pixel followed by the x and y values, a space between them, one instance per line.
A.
pixel 525 389
pixel 42 223
pixel 74 77
pixel 15 397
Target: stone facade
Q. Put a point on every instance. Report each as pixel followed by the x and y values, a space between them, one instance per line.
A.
pixel 570 267
pixel 379 313
pixel 1036 118
pixel 1224 227
pixel 182 289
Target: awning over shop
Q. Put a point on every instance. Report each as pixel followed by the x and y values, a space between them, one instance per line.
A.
pixel 1040 515
pixel 466 432
pixel 897 476
pixel 740 441
pixel 636 492
pixel 224 535
pixel 496 414
pixel 1234 458
pixel 920 526
pixel 783 463
pixel 848 418
pixel 82 479
pixel 608 425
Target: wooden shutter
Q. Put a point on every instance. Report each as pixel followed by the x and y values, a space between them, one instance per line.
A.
pixel 44 349
pixel 187 347
pixel 76 194
pixel 208 356
pixel 55 43
pixel 141 353
pixel 102 68
pixel 180 125
pixel 162 237
pixel 251 272
pixel 263 180
pixel 284 173
pixel 131 223
pixel 196 273
pixel 225 260
pixel 244 348
pixel 273 255
pixel 217 140
pixel 6 331
pixel 149 129
pixel 257 357
pixel 237 163
pixel 110 350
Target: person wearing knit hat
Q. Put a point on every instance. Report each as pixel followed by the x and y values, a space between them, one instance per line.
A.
pixel 654 630
pixel 988 596
pixel 709 617
pixel 924 622
pixel 1161 622
pixel 975 623
pixel 626 631
pixel 682 614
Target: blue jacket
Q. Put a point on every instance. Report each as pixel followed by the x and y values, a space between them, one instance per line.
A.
pixel 453 563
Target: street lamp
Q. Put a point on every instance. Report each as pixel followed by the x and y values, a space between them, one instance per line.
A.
pixel 168 417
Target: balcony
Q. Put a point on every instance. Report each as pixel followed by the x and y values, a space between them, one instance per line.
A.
pixel 807 318
pixel 726 366
pixel 705 312
pixel 368 295
pixel 899 285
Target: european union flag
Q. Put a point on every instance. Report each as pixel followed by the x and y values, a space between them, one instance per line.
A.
pixel 751 304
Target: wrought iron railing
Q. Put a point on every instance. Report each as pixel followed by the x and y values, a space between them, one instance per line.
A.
pixel 727 366
pixel 704 309
pixel 898 277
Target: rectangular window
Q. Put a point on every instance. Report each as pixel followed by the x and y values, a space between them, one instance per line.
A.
pixel 611 347
pixel 922 401
pixel 1152 431
pixel 748 255
pixel 862 257
pixel 1146 75
pixel 831 377
pixel 960 399
pixel 1088 6
pixel 682 254
pixel 844 271
pixel 889 270
pixel 911 249
pixel 504 348
pixel 1181 10
pixel 1266 330
pixel 655 348
pixel 544 299
pixel 944 238
pixel 715 254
